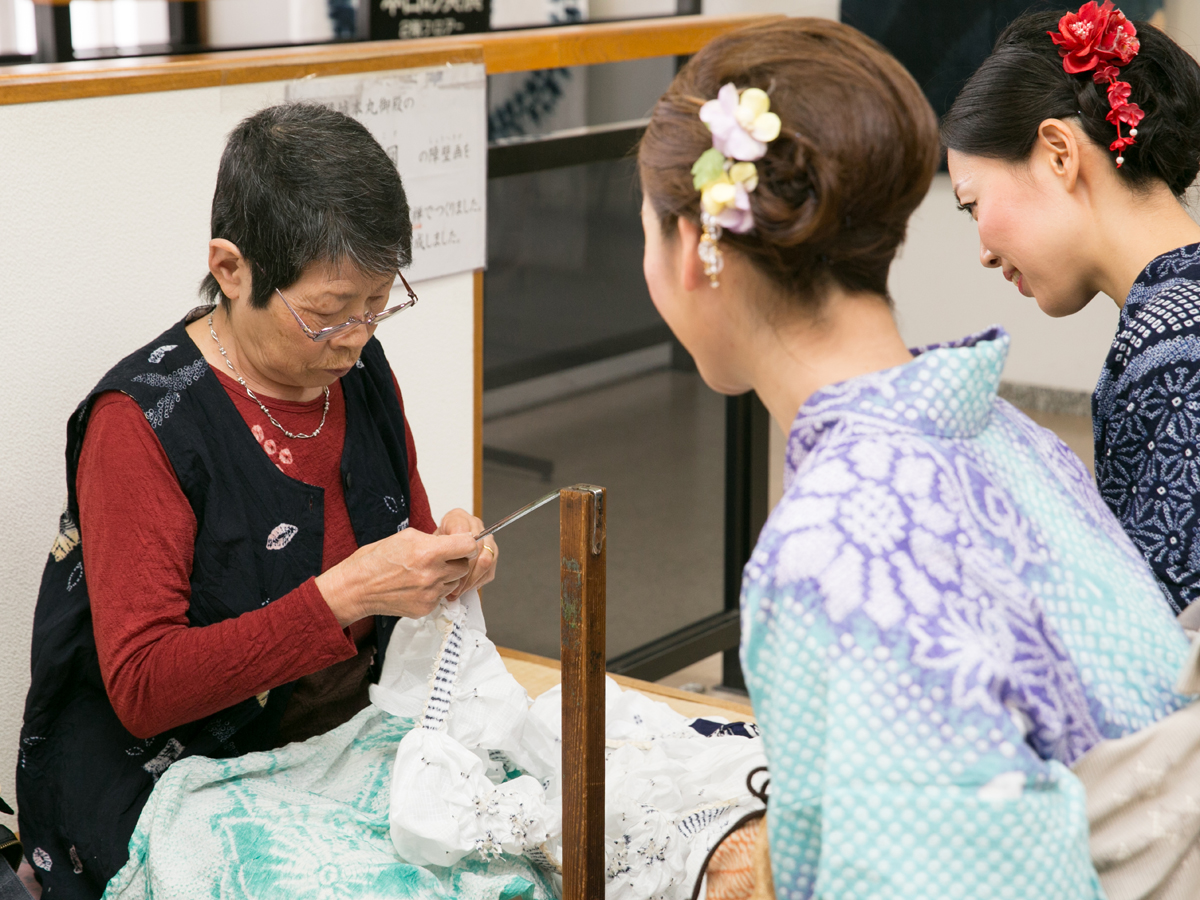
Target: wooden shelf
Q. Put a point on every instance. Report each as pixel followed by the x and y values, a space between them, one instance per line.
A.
pixel 502 51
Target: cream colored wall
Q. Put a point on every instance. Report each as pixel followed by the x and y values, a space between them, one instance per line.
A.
pixel 1183 24
pixel 236 23
pixel 617 9
pixel 942 292
pixel 828 9
pixel 103 236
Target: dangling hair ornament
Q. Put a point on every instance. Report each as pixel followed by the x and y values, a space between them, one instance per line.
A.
pixel 1098 39
pixel 742 125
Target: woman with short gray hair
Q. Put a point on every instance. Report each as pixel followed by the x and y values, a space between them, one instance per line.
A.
pixel 245 520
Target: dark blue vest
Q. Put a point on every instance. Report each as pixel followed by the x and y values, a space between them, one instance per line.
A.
pixel 82 778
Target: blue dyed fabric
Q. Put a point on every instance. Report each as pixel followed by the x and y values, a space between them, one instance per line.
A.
pixel 1146 416
pixel 939 618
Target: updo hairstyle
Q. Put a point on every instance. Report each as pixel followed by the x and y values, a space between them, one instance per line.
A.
pixel 856 154
pixel 1023 83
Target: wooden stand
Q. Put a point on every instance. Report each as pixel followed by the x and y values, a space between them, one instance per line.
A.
pixel 581 540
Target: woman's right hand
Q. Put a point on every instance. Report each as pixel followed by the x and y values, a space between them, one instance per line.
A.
pixel 405 574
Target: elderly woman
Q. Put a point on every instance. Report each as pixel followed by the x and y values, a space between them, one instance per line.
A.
pixel 245 521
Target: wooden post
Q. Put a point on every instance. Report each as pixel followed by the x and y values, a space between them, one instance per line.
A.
pixel 582 540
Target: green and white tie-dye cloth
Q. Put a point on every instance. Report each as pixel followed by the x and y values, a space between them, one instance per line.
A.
pixel 448 785
pixel 307 820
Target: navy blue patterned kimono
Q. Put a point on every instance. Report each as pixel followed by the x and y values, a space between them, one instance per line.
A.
pixel 1146 417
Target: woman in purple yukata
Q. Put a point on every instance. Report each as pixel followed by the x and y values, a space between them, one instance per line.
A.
pixel 1072 150
pixel 941 616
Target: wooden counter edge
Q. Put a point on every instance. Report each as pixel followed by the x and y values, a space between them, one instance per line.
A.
pixel 645 687
pixel 603 42
pixel 503 51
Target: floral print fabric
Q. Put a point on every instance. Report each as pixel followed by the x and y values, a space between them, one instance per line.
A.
pixel 308 820
pixel 1146 416
pixel 940 617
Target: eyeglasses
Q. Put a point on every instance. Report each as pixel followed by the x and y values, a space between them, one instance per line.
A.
pixel 324 334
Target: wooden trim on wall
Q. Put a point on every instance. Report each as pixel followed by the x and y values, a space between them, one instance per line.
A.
pixel 604 42
pixel 501 51
pixel 41 82
pixel 478 393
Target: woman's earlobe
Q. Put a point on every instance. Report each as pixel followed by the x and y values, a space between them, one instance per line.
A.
pixel 1058 141
pixel 691 267
pixel 228 267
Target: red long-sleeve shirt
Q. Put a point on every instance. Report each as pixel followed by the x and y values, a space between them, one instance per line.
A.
pixel 139 533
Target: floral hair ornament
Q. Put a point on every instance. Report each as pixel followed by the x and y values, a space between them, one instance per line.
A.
pixel 742 125
pixel 1098 39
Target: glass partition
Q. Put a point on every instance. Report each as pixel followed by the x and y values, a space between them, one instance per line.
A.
pixel 582 381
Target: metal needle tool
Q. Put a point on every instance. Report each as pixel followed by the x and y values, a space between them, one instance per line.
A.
pixel 519 514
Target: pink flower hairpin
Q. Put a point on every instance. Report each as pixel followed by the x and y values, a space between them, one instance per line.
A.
pixel 742 125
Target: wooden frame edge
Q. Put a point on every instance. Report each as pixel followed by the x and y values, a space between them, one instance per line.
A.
pixel 504 51
pixel 478 511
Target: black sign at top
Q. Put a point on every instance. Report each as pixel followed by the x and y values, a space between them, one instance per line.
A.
pixel 391 19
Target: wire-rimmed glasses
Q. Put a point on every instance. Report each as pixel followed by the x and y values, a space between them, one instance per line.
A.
pixel 324 334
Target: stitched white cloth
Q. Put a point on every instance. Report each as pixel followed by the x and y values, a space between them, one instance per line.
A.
pixel 1143 802
pixel 482 772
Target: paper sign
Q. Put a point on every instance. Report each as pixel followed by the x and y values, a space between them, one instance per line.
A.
pixel 432 122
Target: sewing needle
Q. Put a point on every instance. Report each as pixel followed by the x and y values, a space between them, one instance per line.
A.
pixel 519 514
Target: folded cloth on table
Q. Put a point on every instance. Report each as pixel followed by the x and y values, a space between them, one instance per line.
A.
pixel 447 786
pixel 307 820
pixel 481 775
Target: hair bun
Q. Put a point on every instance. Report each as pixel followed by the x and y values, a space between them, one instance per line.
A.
pixel 855 157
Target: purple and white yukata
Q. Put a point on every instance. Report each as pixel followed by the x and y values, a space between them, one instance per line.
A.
pixel 940 617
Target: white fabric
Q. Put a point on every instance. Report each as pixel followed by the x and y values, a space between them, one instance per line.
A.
pixel 670 792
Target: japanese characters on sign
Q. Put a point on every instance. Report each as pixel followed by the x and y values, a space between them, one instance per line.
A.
pixel 405 19
pixel 432 122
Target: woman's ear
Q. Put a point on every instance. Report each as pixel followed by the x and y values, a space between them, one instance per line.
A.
pixel 691 268
pixel 1058 147
pixel 230 268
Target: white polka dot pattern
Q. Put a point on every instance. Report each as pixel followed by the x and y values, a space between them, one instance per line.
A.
pixel 940 617
pixel 1146 419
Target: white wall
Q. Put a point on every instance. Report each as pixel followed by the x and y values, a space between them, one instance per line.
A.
pixel 127 24
pixel 942 292
pixel 1183 24
pixel 17 33
pixel 828 9
pixel 103 236
pixel 619 9
pixel 237 23
pixel 431 349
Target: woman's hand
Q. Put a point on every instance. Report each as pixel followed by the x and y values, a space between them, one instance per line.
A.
pixel 405 574
pixel 483 567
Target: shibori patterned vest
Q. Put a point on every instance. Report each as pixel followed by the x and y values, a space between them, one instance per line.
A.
pixel 82 779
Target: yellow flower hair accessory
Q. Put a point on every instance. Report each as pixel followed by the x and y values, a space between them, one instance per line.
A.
pixel 742 125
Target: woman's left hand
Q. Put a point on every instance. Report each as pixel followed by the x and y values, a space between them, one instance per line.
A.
pixel 483 567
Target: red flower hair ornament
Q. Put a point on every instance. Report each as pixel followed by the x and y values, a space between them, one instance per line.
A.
pixel 1098 39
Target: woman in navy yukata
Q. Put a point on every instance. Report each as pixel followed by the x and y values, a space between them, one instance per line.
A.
pixel 1073 153
pixel 245 521
pixel 942 620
